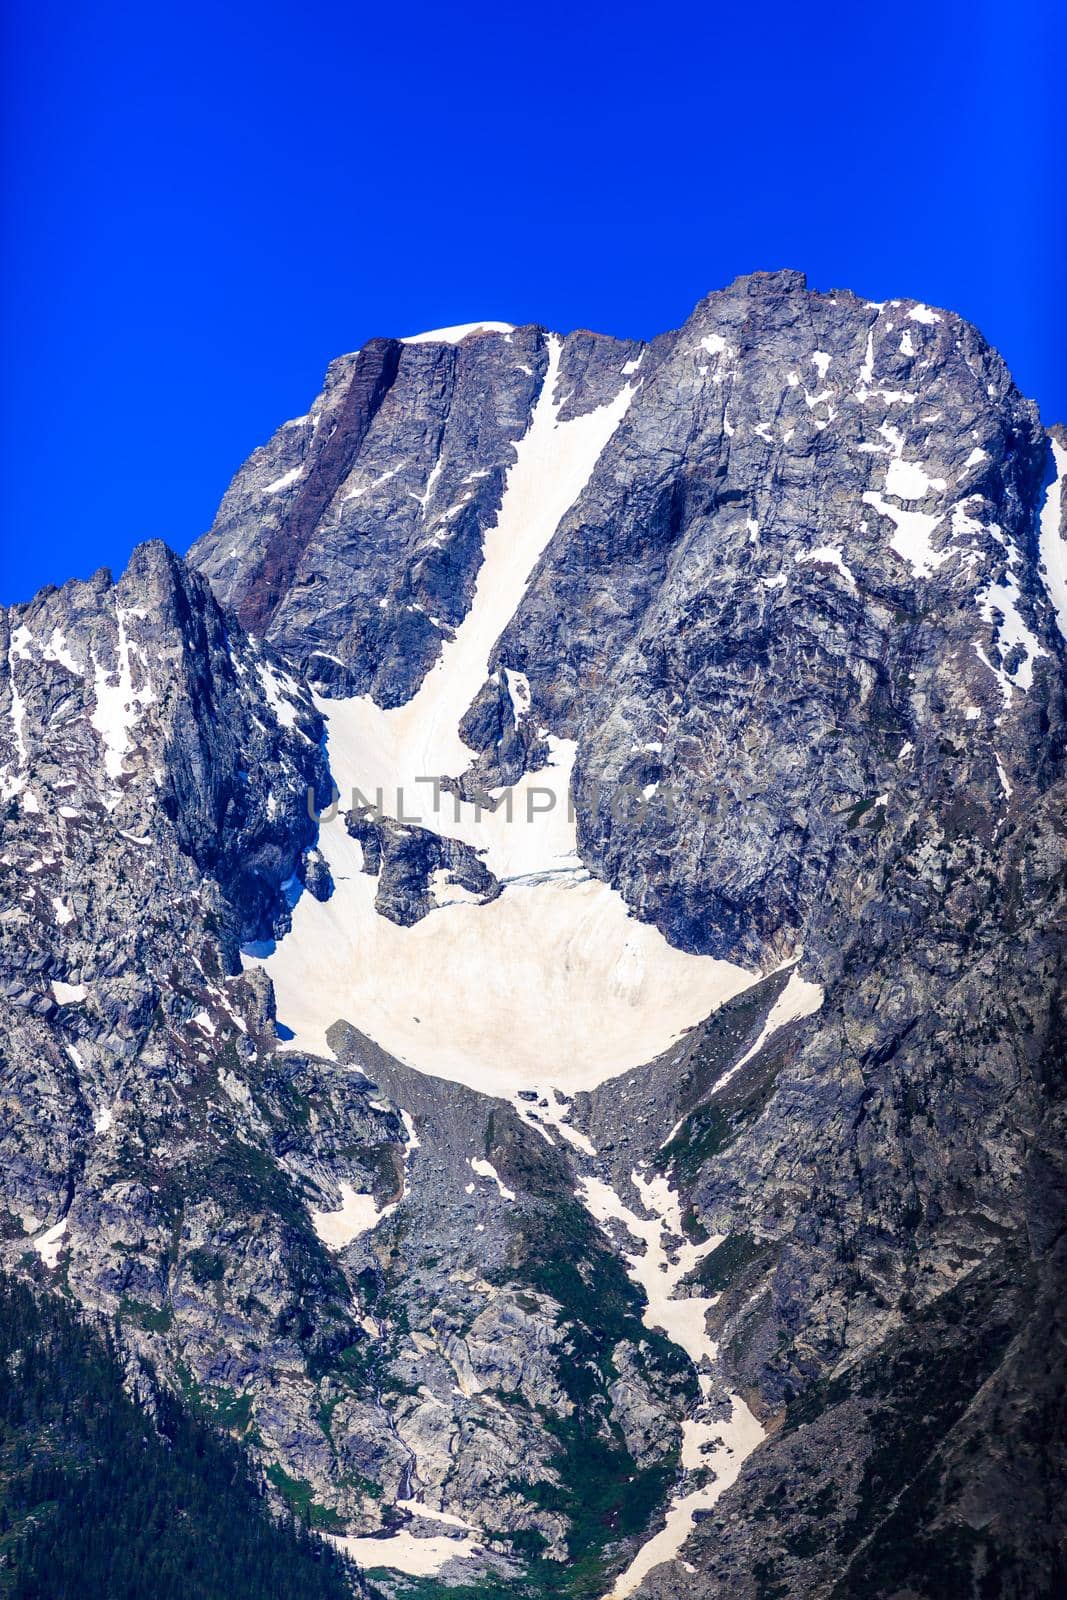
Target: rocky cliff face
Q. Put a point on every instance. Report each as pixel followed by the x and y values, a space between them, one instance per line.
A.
pixel 618 1142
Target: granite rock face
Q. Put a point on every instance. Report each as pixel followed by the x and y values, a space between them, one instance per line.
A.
pixel 801 633
pixel 157 1154
pixel 354 536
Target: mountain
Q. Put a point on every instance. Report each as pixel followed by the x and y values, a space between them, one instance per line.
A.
pixel 101 1487
pixel 534 959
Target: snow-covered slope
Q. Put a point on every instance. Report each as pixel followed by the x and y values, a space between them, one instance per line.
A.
pixel 553 981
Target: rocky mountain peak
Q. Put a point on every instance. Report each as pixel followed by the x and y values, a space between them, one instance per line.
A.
pixel 533 960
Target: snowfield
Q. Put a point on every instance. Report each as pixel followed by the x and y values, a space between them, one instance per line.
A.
pixel 552 982
pixel 405 1552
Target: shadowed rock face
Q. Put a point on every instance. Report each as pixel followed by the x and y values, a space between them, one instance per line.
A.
pixel 355 535
pixel 800 625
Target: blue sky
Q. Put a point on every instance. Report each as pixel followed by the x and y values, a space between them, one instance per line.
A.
pixel 204 203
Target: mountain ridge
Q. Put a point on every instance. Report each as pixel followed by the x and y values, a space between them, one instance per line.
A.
pixel 762 1015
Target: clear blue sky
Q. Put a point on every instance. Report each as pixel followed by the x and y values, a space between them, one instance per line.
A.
pixel 204 203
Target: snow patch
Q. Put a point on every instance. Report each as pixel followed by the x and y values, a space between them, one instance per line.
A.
pixel 68 993
pixel 119 705
pixel 668 1257
pixel 284 481
pixel 1005 783
pixel 1052 544
pixel 553 978
pixel 998 604
pixel 56 650
pixel 431 483
pixel 798 999
pixel 556 1113
pixel 416 1508
pixel 908 481
pixel 912 538
pixel 518 685
pixel 829 555
pixel 354 494
pixel 866 372
pixel 273 682
pixel 723 1447
pixel 357 1214
pixel 485 1169
pixel 660 1267
pixel 444 891
pixel 49 1243
pixel 404 1552
pixel 461 331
